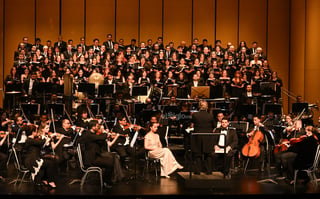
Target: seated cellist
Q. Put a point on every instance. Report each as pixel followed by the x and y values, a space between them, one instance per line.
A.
pixel 256 133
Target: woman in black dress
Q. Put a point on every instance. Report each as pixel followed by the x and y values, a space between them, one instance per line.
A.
pixel 43 170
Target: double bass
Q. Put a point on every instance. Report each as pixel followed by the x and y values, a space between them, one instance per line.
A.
pixel 252 148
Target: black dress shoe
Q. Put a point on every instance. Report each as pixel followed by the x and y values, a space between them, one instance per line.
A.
pixel 105 185
pixel 196 173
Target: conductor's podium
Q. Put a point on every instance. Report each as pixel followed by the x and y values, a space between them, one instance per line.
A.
pixel 203 181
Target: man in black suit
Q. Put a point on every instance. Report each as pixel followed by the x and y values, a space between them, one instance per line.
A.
pixel 133 45
pixel 27 46
pixel 202 145
pixel 82 44
pixel 253 129
pixel 61 44
pixel 95 153
pixel 95 46
pixel 31 86
pixel 109 43
pixel 225 146
pixel 121 145
pixel 38 44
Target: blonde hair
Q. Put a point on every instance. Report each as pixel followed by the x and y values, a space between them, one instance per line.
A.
pixel 203 105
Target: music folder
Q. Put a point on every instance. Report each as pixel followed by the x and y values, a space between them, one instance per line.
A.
pixel 88 88
pixel 298 107
pixel 139 90
pixel 200 91
pixel 106 89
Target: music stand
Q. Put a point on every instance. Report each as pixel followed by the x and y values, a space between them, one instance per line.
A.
pixel 172 90
pixel 240 125
pixel 88 88
pixel 138 107
pixel 248 109
pixel 95 108
pixel 139 90
pixel 58 109
pixel 298 107
pixel 106 90
pixel 200 91
pixel 31 109
pixel 275 108
pixel 267 88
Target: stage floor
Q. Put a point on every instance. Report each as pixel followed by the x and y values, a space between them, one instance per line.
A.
pixel 137 185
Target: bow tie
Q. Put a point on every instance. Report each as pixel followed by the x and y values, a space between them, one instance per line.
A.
pixel 224 129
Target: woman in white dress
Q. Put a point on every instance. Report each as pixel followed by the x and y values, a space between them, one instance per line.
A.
pixel 152 143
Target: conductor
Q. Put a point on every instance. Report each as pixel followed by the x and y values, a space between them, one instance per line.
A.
pixel 202 145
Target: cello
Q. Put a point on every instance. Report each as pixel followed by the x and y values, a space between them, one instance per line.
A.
pixel 252 148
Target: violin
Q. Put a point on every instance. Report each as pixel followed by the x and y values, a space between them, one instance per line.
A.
pixel 252 148
pixel 285 144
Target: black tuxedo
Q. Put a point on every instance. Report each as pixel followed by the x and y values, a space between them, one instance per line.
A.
pixel 202 144
pixel 62 46
pixel 119 146
pixel 96 49
pixel 35 87
pixel 232 141
pixel 107 45
pixel 84 47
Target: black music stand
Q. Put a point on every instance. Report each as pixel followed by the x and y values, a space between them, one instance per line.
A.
pixel 267 88
pixel 139 90
pixel 95 108
pixel 58 109
pixel 44 88
pixel 106 90
pixel 88 88
pixel 298 107
pixel 269 107
pixel 248 109
pixel 30 109
pixel 240 125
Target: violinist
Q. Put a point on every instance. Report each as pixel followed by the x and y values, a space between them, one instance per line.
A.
pixel 43 170
pixel 82 118
pixel 94 147
pixel 258 127
pixel 3 156
pixel 300 154
pixel 293 128
pixel 121 145
pixel 285 157
pixel 68 135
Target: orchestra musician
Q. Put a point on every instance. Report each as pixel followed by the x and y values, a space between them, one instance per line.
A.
pixel 3 156
pixel 258 127
pixel 43 170
pixel 82 118
pixel 221 143
pixel 283 157
pixel 94 149
pixel 121 145
pixel 300 154
pixel 155 150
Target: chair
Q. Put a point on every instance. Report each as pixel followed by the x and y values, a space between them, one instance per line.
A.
pixel 21 170
pixel 151 162
pixel 87 170
pixel 311 171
